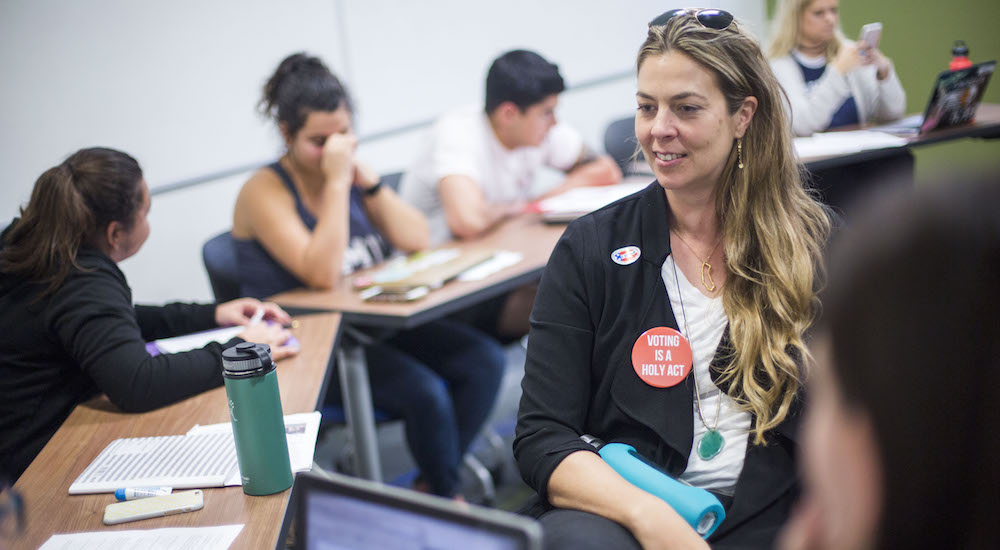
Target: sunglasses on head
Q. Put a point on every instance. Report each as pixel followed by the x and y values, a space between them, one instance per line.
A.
pixel 710 18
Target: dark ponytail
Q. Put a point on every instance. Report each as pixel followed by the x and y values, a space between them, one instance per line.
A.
pixel 302 84
pixel 71 205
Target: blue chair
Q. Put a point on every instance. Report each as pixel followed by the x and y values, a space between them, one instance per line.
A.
pixel 392 180
pixel 621 144
pixel 219 256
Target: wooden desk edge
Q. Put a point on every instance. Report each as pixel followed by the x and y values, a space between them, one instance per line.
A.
pixel 92 425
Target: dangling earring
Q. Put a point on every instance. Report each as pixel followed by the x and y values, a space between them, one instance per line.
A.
pixel 739 152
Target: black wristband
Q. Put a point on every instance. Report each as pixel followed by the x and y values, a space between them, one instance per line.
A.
pixel 370 192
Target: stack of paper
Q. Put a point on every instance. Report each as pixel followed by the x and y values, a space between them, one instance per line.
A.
pixel 205 457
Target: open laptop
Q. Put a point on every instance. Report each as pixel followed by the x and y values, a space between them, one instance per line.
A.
pixel 954 100
pixel 343 513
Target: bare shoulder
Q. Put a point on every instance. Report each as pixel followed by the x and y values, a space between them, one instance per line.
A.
pixel 263 194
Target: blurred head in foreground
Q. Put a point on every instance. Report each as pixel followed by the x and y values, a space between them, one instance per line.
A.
pixel 901 442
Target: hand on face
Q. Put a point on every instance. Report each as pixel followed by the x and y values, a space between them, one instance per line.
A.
pixel 338 158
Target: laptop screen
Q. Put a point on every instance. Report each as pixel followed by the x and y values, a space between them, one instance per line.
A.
pixel 347 514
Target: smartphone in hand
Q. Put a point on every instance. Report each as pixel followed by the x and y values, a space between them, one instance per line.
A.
pixel 870 35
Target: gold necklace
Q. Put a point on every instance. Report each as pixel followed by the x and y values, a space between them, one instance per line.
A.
pixel 712 441
pixel 706 268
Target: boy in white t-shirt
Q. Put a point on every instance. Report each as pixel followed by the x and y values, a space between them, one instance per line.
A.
pixel 478 167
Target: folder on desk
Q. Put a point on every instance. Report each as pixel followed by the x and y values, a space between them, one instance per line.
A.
pixel 406 279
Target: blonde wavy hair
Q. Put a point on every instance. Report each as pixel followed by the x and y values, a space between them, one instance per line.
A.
pixel 787 25
pixel 772 226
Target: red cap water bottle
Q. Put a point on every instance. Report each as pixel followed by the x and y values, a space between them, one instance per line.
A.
pixel 959 57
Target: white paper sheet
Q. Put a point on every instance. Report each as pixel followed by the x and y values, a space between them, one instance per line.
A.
pixel 500 260
pixel 188 342
pixel 582 200
pixel 176 461
pixel 173 538
pixel 843 143
pixel 301 430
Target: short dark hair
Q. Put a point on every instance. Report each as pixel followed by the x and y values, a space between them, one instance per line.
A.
pixel 300 85
pixel 522 77
pixel 911 311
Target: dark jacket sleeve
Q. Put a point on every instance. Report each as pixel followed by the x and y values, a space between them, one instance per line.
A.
pixel 93 318
pixel 557 374
pixel 174 319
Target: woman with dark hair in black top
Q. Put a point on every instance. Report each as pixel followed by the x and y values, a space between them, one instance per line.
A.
pixel 69 329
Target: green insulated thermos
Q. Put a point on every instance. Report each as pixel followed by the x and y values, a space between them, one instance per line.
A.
pixel 258 422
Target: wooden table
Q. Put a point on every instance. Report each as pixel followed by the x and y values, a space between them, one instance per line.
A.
pixel 525 234
pixel 93 425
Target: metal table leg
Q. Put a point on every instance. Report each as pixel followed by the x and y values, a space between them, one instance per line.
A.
pixel 358 410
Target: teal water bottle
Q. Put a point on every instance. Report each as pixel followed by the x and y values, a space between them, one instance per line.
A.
pixel 258 421
pixel 700 508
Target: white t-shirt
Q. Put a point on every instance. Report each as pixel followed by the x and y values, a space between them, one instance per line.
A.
pixel 707 320
pixel 462 143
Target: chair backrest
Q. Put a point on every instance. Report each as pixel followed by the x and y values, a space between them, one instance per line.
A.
pixel 620 143
pixel 219 256
pixel 392 180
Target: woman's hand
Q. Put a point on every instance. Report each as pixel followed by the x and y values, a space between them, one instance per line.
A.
pixel 849 58
pixel 881 62
pixel 338 159
pixel 242 310
pixel 273 335
pixel 660 526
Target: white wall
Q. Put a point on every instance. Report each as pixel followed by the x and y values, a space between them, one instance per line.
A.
pixel 176 84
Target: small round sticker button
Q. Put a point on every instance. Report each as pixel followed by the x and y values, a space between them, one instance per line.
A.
pixel 661 357
pixel 626 255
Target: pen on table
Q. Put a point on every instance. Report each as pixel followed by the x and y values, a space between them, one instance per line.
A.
pixel 141 492
pixel 257 316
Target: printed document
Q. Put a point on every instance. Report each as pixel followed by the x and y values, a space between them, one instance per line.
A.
pixel 301 430
pixel 173 538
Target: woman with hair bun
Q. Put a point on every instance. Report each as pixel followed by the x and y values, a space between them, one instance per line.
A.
pixel 69 329
pixel 317 214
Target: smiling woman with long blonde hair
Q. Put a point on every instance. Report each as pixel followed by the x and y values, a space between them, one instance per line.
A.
pixel 723 248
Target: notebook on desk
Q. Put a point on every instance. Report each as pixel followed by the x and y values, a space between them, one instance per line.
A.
pixel 348 513
pixel 954 100
pixel 406 279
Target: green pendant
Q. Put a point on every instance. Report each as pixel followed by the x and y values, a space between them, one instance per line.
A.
pixel 711 445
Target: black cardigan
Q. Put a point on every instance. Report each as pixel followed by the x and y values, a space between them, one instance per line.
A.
pixel 579 379
pixel 85 339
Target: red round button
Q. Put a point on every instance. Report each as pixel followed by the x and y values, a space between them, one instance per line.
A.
pixel 661 357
